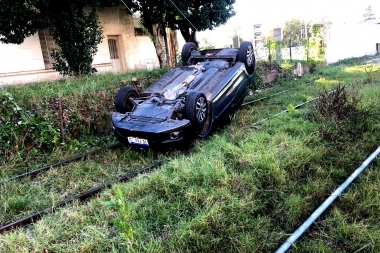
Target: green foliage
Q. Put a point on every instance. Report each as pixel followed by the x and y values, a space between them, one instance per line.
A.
pixel 86 104
pixel 341 119
pixel 271 48
pixel 19 19
pixel 316 45
pixel 119 204
pixel 78 35
pixel 270 45
pixel 23 131
pixel 296 31
pixel 258 80
pixel 286 66
pixel 204 14
pixel 244 189
pixel 291 109
pixel 18 204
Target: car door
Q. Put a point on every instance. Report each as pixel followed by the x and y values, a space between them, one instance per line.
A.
pixel 233 90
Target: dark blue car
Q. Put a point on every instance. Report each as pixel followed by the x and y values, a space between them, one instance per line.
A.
pixel 189 100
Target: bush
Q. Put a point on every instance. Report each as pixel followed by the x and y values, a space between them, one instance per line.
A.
pixel 340 116
pixel 20 130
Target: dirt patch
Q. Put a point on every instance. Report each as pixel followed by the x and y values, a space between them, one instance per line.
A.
pixel 270 77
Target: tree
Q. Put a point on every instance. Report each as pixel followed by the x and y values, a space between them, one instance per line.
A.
pixel 77 33
pixel 316 46
pixel 296 31
pixel 152 20
pixel 269 44
pixel 202 14
pixel 19 19
pixel 369 16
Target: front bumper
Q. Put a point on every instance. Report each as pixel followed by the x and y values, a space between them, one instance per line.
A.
pixel 154 131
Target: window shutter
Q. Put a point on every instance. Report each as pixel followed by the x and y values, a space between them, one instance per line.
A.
pixel 113 49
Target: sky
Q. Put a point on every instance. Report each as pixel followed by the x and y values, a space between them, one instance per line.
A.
pixel 271 13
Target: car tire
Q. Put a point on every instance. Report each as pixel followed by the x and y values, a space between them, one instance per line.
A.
pixel 196 108
pixel 247 56
pixel 123 104
pixel 186 52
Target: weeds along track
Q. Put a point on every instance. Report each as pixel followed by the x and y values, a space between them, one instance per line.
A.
pixel 76 178
pixel 37 171
pixel 32 178
pixel 81 197
pixel 14 221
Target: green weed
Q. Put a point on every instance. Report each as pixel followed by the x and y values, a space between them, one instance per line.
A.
pixel 122 222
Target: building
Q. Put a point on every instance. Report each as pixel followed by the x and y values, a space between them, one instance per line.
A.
pixel 124 47
pixel 257 35
pixel 343 43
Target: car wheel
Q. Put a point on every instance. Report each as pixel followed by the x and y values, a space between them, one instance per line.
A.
pixel 186 52
pixel 196 108
pixel 123 103
pixel 247 56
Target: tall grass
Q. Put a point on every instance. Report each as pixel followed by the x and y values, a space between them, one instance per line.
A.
pixel 243 189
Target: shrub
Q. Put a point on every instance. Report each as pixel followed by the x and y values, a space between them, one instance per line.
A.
pixel 340 116
pixel 20 130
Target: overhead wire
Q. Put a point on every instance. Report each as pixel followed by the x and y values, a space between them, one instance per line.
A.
pixel 173 5
pixel 156 42
pixel 183 15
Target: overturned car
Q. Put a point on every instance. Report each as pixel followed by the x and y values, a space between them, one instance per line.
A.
pixel 189 100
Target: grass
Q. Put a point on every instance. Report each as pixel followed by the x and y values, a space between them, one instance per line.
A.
pixel 81 107
pixel 243 189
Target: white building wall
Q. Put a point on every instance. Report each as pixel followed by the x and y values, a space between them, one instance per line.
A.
pixel 103 55
pixel 137 50
pixel 347 41
pixel 24 57
pixel 24 63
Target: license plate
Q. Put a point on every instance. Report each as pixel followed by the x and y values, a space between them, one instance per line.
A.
pixel 138 141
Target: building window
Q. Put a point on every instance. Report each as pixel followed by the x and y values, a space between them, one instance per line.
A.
pixel 257 26
pixel 47 47
pixel 113 49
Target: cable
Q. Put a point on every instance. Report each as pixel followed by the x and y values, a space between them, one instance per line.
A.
pixel 183 15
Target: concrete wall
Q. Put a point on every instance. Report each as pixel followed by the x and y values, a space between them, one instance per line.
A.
pixel 24 57
pixel 347 41
pixel 137 49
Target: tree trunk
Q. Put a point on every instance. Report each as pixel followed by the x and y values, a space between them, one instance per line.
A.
pixel 173 48
pixel 157 41
pixel 189 36
pixel 167 53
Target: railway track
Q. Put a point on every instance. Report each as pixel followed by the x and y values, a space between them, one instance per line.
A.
pixel 81 197
pixel 35 172
pixel 93 191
